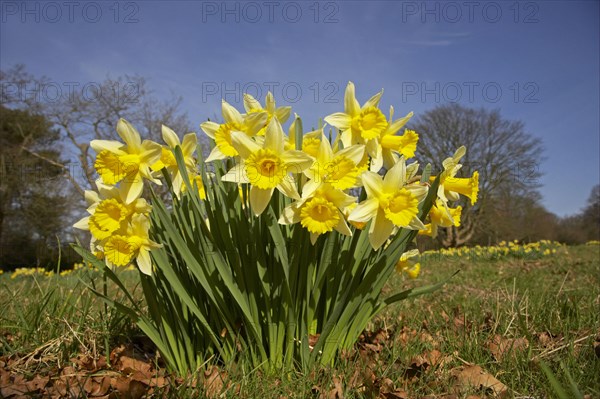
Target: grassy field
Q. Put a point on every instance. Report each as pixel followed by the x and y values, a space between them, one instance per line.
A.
pixel 516 321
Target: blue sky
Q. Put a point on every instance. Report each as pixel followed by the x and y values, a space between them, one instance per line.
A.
pixel 534 61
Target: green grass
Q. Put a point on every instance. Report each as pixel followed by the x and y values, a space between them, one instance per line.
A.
pixel 551 301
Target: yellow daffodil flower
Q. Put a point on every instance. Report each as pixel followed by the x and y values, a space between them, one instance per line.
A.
pixel 407 264
pixel 467 186
pixel 126 164
pixel 266 166
pixel 197 179
pixel 360 125
pixel 250 124
pixel 119 250
pixel 253 106
pixel 450 186
pixel 311 141
pixel 108 212
pixel 390 203
pixel 441 215
pixel 319 211
pixel 338 169
pixel 393 146
pixel 167 159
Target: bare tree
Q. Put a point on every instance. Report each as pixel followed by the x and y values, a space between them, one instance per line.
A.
pixel 82 112
pixel 91 112
pixel 506 156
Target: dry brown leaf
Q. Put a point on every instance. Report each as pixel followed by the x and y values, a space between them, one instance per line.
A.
pixel 312 340
pixel 13 389
pixel 548 340
pixel 89 363
pixel 423 362
pixel 476 377
pixel 400 394
pixel 100 386
pixel 214 380
pixel 338 390
pixel 129 364
pixel 128 388
pixel 501 346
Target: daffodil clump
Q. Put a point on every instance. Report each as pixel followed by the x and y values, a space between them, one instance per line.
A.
pixel 31 271
pixel 291 235
pixel 118 216
pixel 504 249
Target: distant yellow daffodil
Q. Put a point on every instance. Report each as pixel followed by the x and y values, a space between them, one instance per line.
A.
pixel 407 264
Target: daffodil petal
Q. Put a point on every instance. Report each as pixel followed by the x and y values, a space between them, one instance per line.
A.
pixel 274 136
pixel 296 161
pixel 343 228
pixel 416 224
pixel 259 199
pixel 170 137
pixel 373 101
pixel 210 128
pixel 380 231
pixel 91 197
pixel 288 188
pixel 283 113
pixel 270 102
pixel 189 144
pixel 108 145
pixel 372 183
pixel 398 124
pixel 355 153
pixel 339 120
pixel 364 211
pixel 255 122
pixel 237 174
pixel 251 103
pixel 131 188
pixel 83 223
pixel 418 191
pixel 325 154
pixel 150 152
pixel 243 144
pixel 144 262
pixel 395 178
pixel 130 136
pixel 346 137
pixel 309 188
pixel 289 215
pixel 351 105
pixel 230 114
pixel 215 155
pixel 339 198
